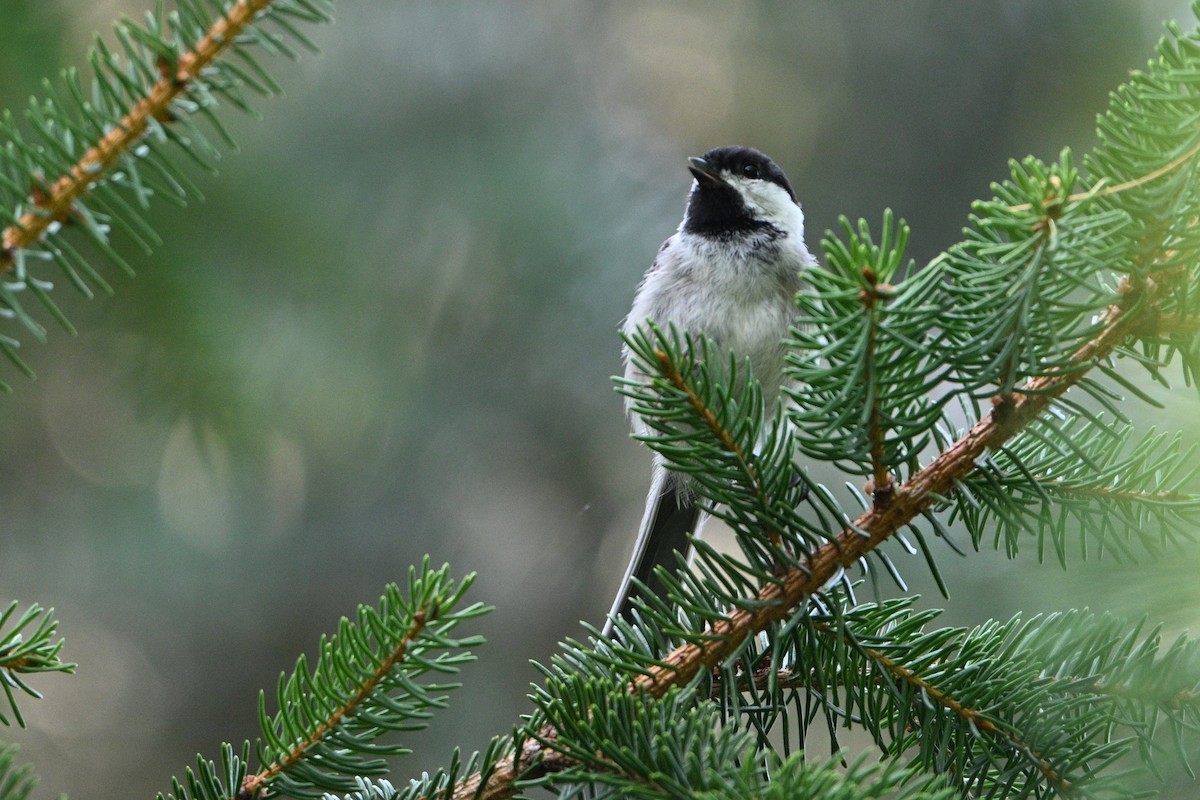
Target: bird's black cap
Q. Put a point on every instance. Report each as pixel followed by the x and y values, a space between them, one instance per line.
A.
pixel 740 161
pixel 715 208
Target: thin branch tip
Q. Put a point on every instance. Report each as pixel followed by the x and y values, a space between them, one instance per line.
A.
pixel 55 201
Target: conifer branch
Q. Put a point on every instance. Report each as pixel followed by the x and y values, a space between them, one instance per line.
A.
pixel 54 202
pixel 384 671
pixel 1100 190
pixel 253 784
pixel 787 678
pixel 881 486
pixel 774 602
pixel 745 465
pixel 535 759
pixel 541 750
pixel 972 716
pixel 27 645
pixel 16 782
pixel 915 495
pixel 672 374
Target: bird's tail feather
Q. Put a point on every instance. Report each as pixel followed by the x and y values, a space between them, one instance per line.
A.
pixel 671 517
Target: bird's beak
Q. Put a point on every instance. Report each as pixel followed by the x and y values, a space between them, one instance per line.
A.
pixel 703 170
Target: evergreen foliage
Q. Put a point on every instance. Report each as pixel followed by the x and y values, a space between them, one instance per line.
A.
pixel 1060 274
pixel 27 646
pixel 16 782
pixel 715 690
pixel 1085 477
pixel 98 152
pixel 866 389
pixel 385 671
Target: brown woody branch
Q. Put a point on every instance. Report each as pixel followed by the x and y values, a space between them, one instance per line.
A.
pixel 672 374
pixel 881 486
pixel 54 202
pixel 791 679
pixel 977 719
pixel 915 495
pixel 775 601
pixel 252 785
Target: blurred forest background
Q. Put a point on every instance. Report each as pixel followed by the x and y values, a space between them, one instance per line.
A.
pixel 390 328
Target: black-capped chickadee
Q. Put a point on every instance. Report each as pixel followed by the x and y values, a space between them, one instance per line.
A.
pixel 730 272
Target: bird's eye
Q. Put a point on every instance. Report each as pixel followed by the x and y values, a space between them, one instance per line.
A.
pixel 751 171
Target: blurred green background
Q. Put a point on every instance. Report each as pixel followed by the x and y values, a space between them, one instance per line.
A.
pixel 389 331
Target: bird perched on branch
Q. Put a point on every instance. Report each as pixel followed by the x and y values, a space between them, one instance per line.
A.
pixel 731 273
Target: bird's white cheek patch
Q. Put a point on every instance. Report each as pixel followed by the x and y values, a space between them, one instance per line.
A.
pixel 774 200
pixel 770 201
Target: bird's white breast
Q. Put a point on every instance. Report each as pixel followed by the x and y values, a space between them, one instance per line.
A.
pixel 739 293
